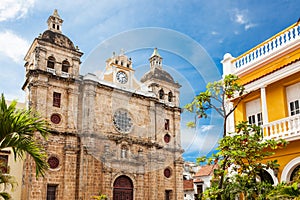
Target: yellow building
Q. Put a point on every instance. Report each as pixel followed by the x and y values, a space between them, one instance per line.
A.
pixel 270 72
pixel 11 166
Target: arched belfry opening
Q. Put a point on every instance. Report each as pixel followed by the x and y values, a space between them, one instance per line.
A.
pixel 123 188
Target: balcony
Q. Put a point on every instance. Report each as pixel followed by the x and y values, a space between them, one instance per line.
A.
pixel 65 74
pixel 51 70
pixel 286 128
pixel 277 43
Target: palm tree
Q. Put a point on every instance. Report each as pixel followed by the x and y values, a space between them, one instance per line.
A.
pixel 17 131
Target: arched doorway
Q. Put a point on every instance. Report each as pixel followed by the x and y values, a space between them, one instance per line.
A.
pixel 266 177
pixel 123 189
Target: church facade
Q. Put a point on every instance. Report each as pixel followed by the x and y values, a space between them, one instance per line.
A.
pixel 110 134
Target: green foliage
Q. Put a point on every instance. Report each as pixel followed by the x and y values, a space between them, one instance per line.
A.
pixel 17 131
pixel 215 98
pixel 288 191
pixel 241 155
pixel 7 182
pixel 100 196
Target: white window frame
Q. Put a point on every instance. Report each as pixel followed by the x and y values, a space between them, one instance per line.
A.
pixel 254 112
pixel 293 97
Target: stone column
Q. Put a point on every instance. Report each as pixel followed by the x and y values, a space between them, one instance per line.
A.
pixel 72 110
pixel 178 193
pixel 69 183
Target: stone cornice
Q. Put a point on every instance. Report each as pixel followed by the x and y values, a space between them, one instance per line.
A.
pixel 35 72
pixel 133 140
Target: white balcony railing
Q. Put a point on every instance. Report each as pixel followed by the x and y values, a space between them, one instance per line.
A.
pixel 286 128
pixel 65 74
pixel 275 43
pixel 51 70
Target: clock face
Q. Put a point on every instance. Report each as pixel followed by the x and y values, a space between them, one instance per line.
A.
pixel 121 77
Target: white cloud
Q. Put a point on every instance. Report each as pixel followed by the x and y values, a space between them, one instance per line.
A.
pixel 205 128
pixel 250 25
pixel 10 9
pixel 214 33
pixel 13 46
pixel 241 17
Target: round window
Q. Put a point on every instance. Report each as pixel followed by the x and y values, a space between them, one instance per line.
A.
pixel 55 118
pixel 53 162
pixel 167 173
pixel 122 121
pixel 167 138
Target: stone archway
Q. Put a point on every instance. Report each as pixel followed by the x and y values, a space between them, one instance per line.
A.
pixel 123 188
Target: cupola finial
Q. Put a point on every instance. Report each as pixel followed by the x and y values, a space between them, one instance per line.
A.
pixel 155 60
pixel 55 22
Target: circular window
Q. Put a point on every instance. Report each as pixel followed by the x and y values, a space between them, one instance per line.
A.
pixel 55 118
pixel 167 173
pixel 53 162
pixel 167 138
pixel 122 121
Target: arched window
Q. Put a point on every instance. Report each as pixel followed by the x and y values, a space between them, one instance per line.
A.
pixel 170 96
pixel 51 62
pixel 65 66
pixel 161 94
pixel 294 173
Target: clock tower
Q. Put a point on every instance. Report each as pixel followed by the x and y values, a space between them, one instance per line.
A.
pixel 120 72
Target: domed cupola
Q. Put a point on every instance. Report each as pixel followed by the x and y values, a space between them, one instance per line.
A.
pixel 54 33
pixel 161 82
pixel 156 71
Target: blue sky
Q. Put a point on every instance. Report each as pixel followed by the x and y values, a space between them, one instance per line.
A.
pixel 201 31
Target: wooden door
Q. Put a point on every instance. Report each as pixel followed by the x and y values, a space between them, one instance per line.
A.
pixel 123 189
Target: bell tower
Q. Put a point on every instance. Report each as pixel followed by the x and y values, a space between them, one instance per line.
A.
pixel 52 86
pixel 160 82
pixel 52 74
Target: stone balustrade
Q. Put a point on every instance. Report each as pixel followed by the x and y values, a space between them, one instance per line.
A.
pixel 286 128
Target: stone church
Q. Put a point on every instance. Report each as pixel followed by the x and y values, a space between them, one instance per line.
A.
pixel 110 134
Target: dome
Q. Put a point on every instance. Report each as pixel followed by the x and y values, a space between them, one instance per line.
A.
pixel 159 74
pixel 57 39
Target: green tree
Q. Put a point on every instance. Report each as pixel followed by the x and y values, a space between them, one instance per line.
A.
pixel 17 131
pixel 288 191
pixel 239 154
pixel 243 153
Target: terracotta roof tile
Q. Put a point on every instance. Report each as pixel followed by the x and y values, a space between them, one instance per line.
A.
pixel 206 170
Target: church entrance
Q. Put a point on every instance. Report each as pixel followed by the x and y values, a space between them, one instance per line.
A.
pixel 123 189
